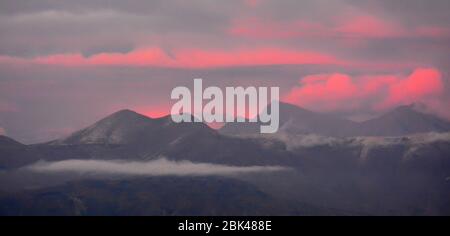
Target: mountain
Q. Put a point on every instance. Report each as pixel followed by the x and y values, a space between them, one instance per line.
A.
pixel 122 135
pixel 128 127
pixel 14 154
pixel 118 128
pixel 403 120
pixel 135 135
pixel 410 174
pixel 294 119
pixel 127 134
pixel 7 142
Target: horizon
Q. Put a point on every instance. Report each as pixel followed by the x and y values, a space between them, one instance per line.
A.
pixel 219 125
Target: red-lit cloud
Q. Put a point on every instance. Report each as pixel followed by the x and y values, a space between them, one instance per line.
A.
pixel 328 91
pixel 368 26
pixel 337 92
pixel 421 85
pixel 187 58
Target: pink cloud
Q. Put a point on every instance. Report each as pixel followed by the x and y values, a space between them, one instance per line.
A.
pixel 423 84
pixel 367 26
pixel 267 56
pixel 186 58
pixel 326 91
pixel 334 92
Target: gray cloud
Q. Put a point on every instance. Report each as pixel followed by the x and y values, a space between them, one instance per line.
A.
pixel 409 11
pixel 159 167
pixel 30 29
pixel 39 27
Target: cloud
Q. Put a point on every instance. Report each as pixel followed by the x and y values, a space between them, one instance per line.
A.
pixel 357 27
pixel 64 27
pixel 337 92
pixel 365 143
pixel 361 26
pixel 368 26
pixel 299 141
pixel 324 90
pixel 423 83
pixel 8 107
pixel 437 32
pixel 160 167
pixel 185 58
pixel 252 3
pixel 2 131
pixel 265 29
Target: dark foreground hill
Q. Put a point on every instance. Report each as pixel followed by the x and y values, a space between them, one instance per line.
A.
pixel 166 196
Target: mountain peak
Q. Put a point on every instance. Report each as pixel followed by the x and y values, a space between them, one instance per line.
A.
pixel 125 111
pixel 113 129
pixel 295 119
pixel 403 120
pixel 288 105
pixel 6 141
pixel 403 111
pixel 126 114
pixel 406 108
pixel 126 126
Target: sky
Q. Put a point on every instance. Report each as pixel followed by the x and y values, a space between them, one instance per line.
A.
pixel 65 64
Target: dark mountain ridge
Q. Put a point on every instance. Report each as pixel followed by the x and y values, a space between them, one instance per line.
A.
pixel 7 142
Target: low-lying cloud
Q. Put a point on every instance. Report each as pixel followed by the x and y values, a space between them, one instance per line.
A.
pixel 159 167
pixel 299 141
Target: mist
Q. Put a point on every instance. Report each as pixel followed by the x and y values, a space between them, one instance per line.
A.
pixel 159 167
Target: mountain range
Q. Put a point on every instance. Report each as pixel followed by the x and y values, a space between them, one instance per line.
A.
pixel 403 120
pixel 330 169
